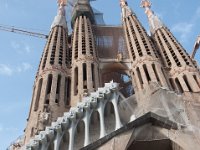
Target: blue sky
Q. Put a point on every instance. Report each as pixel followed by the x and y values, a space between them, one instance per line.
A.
pixel 20 54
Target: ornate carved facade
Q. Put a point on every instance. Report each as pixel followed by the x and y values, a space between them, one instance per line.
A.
pixel 157 98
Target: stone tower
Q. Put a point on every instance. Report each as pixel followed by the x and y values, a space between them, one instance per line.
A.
pixel 51 88
pixel 85 78
pixel 146 65
pixel 182 71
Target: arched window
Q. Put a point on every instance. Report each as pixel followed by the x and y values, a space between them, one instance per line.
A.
pixel 67 96
pixel 48 90
pixel 187 83
pixel 84 76
pixel 38 95
pixel 76 81
pixel 180 89
pixel 58 89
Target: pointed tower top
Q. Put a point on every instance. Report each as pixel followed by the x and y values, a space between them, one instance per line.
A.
pixel 147 5
pixel 62 2
pixel 154 21
pixel 126 11
pixel 60 19
pixel 123 3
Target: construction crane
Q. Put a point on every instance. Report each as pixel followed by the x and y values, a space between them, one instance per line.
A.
pixel 196 47
pixel 69 3
pixel 20 31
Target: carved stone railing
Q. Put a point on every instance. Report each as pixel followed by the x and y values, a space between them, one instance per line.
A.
pixel 53 136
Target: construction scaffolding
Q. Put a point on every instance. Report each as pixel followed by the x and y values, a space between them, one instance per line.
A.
pixel 110 41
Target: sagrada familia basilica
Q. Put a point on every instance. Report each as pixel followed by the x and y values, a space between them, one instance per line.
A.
pixel 113 87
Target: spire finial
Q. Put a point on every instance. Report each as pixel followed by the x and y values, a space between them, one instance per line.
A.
pixel 60 19
pixel 126 11
pixel 61 5
pixel 147 5
pixel 123 3
pixel 62 2
pixel 154 21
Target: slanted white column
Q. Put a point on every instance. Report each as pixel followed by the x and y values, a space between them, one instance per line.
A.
pixel 71 135
pixel 57 140
pixel 101 116
pixel 87 126
pixel 117 117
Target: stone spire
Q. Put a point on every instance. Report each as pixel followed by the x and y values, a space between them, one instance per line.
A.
pixel 183 73
pixel 60 19
pixel 154 22
pixel 85 78
pixel 146 66
pixel 51 96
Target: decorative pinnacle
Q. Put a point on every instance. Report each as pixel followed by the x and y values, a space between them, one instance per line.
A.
pixel 126 11
pixel 62 2
pixel 60 19
pixel 147 5
pixel 154 21
pixel 61 5
pixel 123 3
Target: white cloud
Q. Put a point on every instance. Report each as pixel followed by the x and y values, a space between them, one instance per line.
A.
pixel 5 4
pixel 11 129
pixel 8 129
pixel 15 45
pixel 198 12
pixel 1 128
pixel 27 49
pixel 21 47
pixel 183 29
pixel 5 70
pixel 24 67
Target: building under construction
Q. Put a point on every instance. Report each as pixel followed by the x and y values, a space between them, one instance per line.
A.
pixel 113 87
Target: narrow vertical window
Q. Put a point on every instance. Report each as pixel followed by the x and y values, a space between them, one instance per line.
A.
pixel 49 83
pixel 84 76
pixel 67 91
pixel 38 95
pixel 172 84
pixel 93 77
pixel 195 78
pixel 187 83
pixel 140 77
pixel 58 89
pixel 76 81
pixel 156 73
pixel 146 72
pixel 32 132
pixel 180 89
